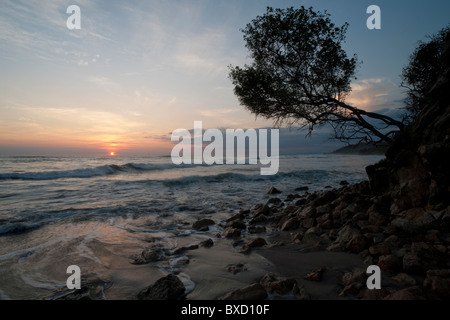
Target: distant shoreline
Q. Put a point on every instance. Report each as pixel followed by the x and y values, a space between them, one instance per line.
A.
pixel 361 149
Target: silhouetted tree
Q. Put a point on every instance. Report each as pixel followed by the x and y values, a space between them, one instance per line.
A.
pixel 301 75
pixel 426 63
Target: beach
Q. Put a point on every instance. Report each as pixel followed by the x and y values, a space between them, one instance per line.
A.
pixel 101 214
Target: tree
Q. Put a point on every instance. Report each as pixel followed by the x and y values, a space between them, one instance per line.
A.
pixel 426 63
pixel 301 75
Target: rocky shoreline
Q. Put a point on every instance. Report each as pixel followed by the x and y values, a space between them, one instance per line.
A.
pixel 398 220
pixel 411 248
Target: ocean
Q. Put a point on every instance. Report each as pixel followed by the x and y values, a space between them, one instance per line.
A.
pixel 96 212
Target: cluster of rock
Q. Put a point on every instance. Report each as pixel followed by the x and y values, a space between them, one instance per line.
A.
pixel 398 220
pixel 269 284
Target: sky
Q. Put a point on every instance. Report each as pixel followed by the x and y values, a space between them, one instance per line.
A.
pixel 138 70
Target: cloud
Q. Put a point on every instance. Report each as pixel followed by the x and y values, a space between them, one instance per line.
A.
pixel 217 113
pixel 83 63
pixel 370 94
pixel 102 81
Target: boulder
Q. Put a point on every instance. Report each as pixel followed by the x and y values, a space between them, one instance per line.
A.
pixel 147 256
pixel 207 243
pixel 237 216
pixel 404 279
pixel 274 190
pixel 315 275
pixel 290 224
pixel 379 249
pixel 390 263
pixel 236 224
pixel 272 283
pixel 93 289
pixel 202 225
pixel 236 268
pixel 358 276
pixel 404 294
pixel 357 244
pixel 438 281
pixel 166 288
pixel 182 249
pixel 256 229
pixel 231 233
pixel 258 242
pixel 423 257
pixel 252 292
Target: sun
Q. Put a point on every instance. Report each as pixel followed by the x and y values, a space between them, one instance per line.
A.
pixel 112 153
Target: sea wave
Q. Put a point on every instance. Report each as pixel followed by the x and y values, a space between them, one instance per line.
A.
pixel 89 172
pixel 239 177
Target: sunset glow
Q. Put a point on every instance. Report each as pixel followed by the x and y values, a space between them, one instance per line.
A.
pixel 112 154
pixel 80 92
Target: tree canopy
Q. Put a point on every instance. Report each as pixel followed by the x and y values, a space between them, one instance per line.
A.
pixel 426 63
pixel 301 75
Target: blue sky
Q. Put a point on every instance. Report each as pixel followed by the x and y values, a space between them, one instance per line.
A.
pixel 138 70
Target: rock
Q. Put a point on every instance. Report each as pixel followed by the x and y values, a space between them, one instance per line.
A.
pixel 90 290
pixel 252 292
pixel 166 288
pixel 258 242
pixel 423 257
pixel 256 229
pixel 290 224
pixel 302 294
pixel 231 233
pixel 271 283
pixel 202 225
pixel 237 216
pixel 323 218
pixel 259 219
pixel 147 256
pixel 316 230
pixel 390 263
pixel 273 201
pixel 357 244
pixel 358 276
pixel 308 223
pixel 352 288
pixel 344 183
pixel 379 249
pixel 236 224
pixel 207 243
pixel 312 239
pixel 274 190
pixel 308 212
pixel 325 198
pixel 302 189
pixel 404 279
pixel 315 275
pixel 438 281
pixel 375 218
pixel 367 294
pixel 261 210
pixel 292 197
pixel 236 268
pixel 404 294
pixel 404 226
pixel 182 249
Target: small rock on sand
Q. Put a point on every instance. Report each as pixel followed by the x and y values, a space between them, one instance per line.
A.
pixel 166 288
pixel 202 224
pixel 274 190
pixel 315 275
pixel 252 292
